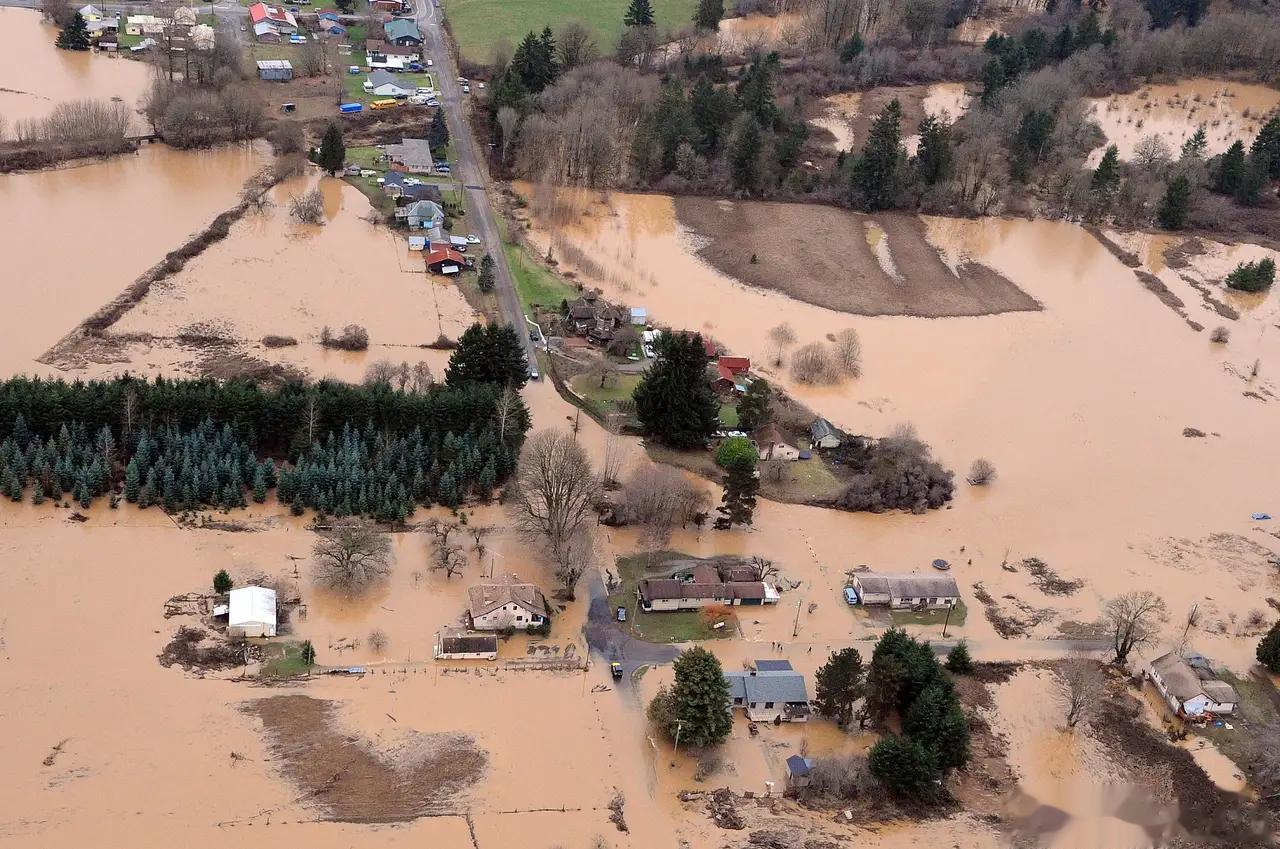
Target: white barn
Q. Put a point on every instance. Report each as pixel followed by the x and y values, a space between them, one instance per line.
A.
pixel 252 612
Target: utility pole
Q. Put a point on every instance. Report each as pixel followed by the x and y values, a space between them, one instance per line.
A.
pixel 795 629
pixel 679 728
pixel 947 622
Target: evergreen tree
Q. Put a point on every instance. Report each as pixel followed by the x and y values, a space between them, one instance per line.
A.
pixel 851 49
pixel 674 402
pixel 1253 276
pixel 708 14
pixel 738 504
pixel 673 122
pixel 489 353
pixel 1197 146
pixel 438 133
pixel 222 582
pixel 839 684
pixel 1031 142
pixel 904 766
pixel 1089 32
pixel 1266 148
pixel 744 154
pixel 1105 180
pixel 874 179
pixel 260 485
pixel 132 481
pixel 509 91
pixel 308 654
pixel 534 62
pixel 486 279
pixel 639 14
pixel 937 720
pixel 958 659
pixel 755 89
pixel 711 109
pixel 1252 180
pixel 333 153
pixel 934 155
pixel 697 704
pixel 75 35
pixel 1176 203
pixel 993 79
pixel 1230 169
pixel 753 409
pixel 1269 649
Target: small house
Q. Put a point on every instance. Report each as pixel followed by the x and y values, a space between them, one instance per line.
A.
pixel 422 215
pixel 418 243
pixel 143 25
pixel 496 607
pixel 771 445
pixel 413 155
pixel 275 70
pixel 271 23
pixel 900 591
pixel 823 435
pixel 422 191
pixel 384 84
pixel 402 31
pixel 705 587
pixel 184 16
pixel 771 693
pixel 799 772
pixel 252 612
pixel 445 261
pixel 1191 687
pixel 90 13
pixel 735 365
pixel 376 47
pixel 457 644
pixel 639 316
pixel 394 7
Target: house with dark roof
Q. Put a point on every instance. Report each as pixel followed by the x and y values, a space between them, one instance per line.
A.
pixel 377 47
pixel 422 215
pixel 822 434
pixel 1191 686
pixel 457 644
pixel 705 586
pixel 402 31
pixel 422 191
pixel 773 693
pixel 496 607
pixel 913 590
pixel 382 83
pixel 412 155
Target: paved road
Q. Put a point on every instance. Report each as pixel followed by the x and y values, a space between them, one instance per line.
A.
pixel 469 169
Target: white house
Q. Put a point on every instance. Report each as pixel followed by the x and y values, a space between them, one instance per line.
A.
pixel 905 591
pixel 496 607
pixel 1190 686
pixel 385 84
pixel 823 435
pixel 773 691
pixel 90 13
pixel 252 613
pixel 457 644
pixel 771 445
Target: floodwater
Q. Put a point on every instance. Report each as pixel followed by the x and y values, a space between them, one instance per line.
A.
pixel 760 31
pixel 1228 112
pixel 839 112
pixel 129 212
pixel 842 114
pixel 275 276
pixel 35 76
pixel 1082 416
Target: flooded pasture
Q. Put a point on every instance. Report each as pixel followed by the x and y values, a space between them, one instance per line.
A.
pixel 848 116
pixel 35 76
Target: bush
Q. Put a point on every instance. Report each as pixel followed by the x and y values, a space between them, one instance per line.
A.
pixel 222 582
pixel 1220 335
pixel 308 208
pixel 904 766
pixel 735 450
pixel 982 472
pixel 1269 649
pixel 958 659
pixel 1253 276
pixel 353 338
pixel 272 341
pixel 900 475
pixel 814 364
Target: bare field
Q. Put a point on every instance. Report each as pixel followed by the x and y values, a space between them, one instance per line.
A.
pixel 831 258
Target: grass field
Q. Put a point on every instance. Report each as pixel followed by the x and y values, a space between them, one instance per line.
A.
pixel 353 85
pixel 283 660
pixel 535 284
pixel 478 25
pixel 674 626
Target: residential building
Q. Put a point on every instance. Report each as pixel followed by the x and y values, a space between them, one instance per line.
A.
pixel 771 692
pixel 639 316
pixel 705 586
pixel 822 434
pixel 90 13
pixel 185 16
pixel 457 644
pixel 385 84
pixel 422 191
pixel 422 215
pixel 103 27
pixel 933 592
pixel 144 25
pixel 496 607
pixel 1191 687
pixel 771 445
pixel 275 69
pixel 445 261
pixel 413 155
pixel 377 47
pixel 402 31
pixel 252 612
pixel 394 7
pixel 271 23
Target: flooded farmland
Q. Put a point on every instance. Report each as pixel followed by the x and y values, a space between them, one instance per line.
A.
pixel 35 76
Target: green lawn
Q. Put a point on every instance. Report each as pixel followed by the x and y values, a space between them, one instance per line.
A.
pixel 535 284
pixel 478 25
pixel 353 86
pixel 283 660
pixel 729 415
pixel 930 617
pixel 618 389
pixel 675 626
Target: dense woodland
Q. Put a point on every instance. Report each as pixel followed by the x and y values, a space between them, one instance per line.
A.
pixel 338 449
pixel 688 119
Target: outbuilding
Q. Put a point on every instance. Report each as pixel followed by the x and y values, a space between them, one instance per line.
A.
pixel 822 434
pixel 933 592
pixel 252 612
pixel 275 70
pixel 799 772
pixel 457 644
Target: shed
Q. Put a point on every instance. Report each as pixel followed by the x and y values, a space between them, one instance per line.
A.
pixel 252 612
pixel 799 771
pixel 280 70
pixel 457 644
pixel 639 316
pixel 906 590
pixel 822 434
pixel 417 243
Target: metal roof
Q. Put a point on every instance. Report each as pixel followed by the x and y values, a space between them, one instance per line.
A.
pixel 774 666
pixel 753 687
pixel 910 586
pixel 274 65
pixel 250 605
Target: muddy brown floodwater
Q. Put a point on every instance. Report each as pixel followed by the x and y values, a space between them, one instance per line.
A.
pixel 35 76
pixel 136 208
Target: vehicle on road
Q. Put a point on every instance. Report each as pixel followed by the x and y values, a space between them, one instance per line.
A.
pixel 533 372
pixel 368 172
pixel 466 89
pixel 430 63
pixel 353 70
pixel 622 613
pixel 473 239
pixel 462 80
pixel 615 669
pixel 433 102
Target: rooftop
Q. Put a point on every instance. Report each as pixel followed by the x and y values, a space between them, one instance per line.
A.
pixel 486 598
pixel 1191 676
pixel 910 585
pixel 774 686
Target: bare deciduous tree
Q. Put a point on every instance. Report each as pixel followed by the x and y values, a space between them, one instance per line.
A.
pixel 1133 620
pixel 763 569
pixel 420 378
pixel 555 489
pixel 573 558
pixel 814 364
pixel 659 497
pixel 508 122
pixel 504 407
pixel 308 208
pixel 448 556
pixel 848 351
pixel 378 640
pixel 782 338
pixel 1083 676
pixel 575 46
pixel 351 556
pixel 379 373
pixel 614 451
pixel 982 472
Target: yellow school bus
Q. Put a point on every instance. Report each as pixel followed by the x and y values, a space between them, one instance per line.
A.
pixel 384 104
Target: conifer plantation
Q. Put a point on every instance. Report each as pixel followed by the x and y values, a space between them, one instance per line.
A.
pixel 334 448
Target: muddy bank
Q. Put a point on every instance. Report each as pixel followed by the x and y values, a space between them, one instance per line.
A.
pixel 836 259
pixel 15 157
pixel 847 117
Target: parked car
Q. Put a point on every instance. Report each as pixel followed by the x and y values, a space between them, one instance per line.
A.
pixel 424 89
pixel 473 239
pixel 648 351
pixel 480 86
pixel 418 99
pixel 430 64
pixel 431 101
pixel 850 597
pixel 462 80
pixel 415 66
pixel 368 172
pixel 244 28
pixel 353 70
pixel 533 372
pixel 622 613
pixel 466 89
pixel 412 181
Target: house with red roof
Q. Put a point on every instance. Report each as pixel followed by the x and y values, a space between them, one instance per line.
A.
pixel 735 365
pixel 445 260
pixel 271 23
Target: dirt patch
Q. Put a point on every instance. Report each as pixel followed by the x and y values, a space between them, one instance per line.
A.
pixel 351 781
pixel 1015 619
pixel 1048 581
pixel 189 650
pixel 822 255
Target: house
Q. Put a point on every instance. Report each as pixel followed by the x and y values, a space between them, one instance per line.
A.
pixel 496 607
pixel 409 194
pixel 771 693
pixel 402 31
pixel 418 243
pixel 143 25
pixel 376 47
pixel 270 23
pixel 143 46
pixel 707 585
pixel 457 644
pixel 1191 687
pixel 799 772
pixel 413 155
pixel 823 435
pixel 725 381
pixel 708 347
pixel 384 84
pixel 275 69
pixel 771 445
pixel 393 183
pixel 933 592
pixel 445 261
pixel 90 13
pixel 103 27
pixel 252 612
pixel 332 28
pixel 735 365
pixel 395 7
pixel 639 316
pixel 422 215
pixel 184 16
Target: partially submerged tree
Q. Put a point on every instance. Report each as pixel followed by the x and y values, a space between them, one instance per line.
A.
pixel 351 556
pixel 554 492
pixel 753 407
pixel 848 351
pixel 222 582
pixel 840 684
pixel 695 708
pixel 782 337
pixel 1133 620
pixel 75 35
pixel 659 498
pixel 958 659
pixel 674 401
pixel 982 472
pixel 308 207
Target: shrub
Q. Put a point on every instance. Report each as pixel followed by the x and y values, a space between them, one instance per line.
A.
pixel 900 475
pixel 1253 276
pixel 982 472
pixel 735 450
pixel 958 659
pixel 353 338
pixel 1221 335
pixel 222 582
pixel 814 364
pixel 271 341
pixel 1269 649
pixel 904 766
